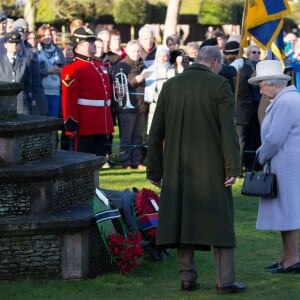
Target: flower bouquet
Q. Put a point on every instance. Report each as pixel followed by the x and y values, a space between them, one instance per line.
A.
pixel 127 252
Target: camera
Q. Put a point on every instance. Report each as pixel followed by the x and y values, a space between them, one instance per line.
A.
pixel 175 53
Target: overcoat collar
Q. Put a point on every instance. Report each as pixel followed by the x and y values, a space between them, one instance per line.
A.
pixel 287 89
pixel 199 67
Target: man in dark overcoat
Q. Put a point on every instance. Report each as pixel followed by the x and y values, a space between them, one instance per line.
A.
pixel 193 154
pixel 16 67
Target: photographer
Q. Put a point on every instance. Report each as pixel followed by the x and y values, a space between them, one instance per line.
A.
pixel 178 58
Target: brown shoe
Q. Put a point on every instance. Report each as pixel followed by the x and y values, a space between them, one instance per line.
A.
pixel 231 288
pixel 189 286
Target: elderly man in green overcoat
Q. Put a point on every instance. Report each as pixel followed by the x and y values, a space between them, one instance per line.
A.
pixel 193 154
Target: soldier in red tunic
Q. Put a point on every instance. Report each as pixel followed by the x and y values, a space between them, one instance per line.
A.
pixel 86 97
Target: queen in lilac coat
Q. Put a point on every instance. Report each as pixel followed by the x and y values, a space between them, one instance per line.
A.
pixel 280 135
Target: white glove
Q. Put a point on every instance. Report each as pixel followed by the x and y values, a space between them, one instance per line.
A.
pixel 237 63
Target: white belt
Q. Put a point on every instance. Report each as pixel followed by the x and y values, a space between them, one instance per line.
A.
pixel 90 102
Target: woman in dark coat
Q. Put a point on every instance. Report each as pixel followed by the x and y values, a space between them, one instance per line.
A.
pixel 193 149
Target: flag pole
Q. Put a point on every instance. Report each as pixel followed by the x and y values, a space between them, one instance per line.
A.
pixel 243 32
pixel 242 42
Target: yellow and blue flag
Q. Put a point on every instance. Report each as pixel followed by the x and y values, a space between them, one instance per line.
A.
pixel 264 20
pixel 262 11
pixel 277 49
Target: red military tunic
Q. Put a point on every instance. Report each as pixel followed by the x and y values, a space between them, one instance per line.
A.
pixel 86 94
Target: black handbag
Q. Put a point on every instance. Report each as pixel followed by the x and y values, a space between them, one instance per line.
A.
pixel 257 183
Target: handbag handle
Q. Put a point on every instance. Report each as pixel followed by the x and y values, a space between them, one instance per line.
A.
pixel 255 161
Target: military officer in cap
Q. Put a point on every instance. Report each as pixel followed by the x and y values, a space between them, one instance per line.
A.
pixel 17 68
pixel 86 96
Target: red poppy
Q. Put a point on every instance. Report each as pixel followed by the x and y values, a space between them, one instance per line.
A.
pixel 146 206
pixel 126 253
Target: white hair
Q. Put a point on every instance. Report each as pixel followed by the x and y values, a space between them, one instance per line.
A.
pixel 276 82
pixel 209 54
pixel 162 48
pixel 132 42
pixel 146 29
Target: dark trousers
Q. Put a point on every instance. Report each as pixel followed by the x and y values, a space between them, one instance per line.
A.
pixel 249 140
pixel 131 137
pixel 66 141
pixel 96 144
pixel 224 264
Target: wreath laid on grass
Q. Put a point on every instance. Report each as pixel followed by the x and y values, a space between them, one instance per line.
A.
pixel 127 253
pixel 126 248
pixel 146 206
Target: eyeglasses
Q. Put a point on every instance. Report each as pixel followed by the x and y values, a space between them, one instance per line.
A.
pixel 255 52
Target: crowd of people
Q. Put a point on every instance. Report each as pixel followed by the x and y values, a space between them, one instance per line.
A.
pixel 37 58
pixel 198 108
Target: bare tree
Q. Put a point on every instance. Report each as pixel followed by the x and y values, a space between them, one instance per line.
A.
pixel 29 13
pixel 171 20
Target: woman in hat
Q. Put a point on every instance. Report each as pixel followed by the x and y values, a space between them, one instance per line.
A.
pixel 232 63
pixel 280 134
pixel 159 73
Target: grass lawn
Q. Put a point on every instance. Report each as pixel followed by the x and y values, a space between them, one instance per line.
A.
pixel 159 280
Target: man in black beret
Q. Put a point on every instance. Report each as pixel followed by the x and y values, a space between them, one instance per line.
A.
pixel 209 42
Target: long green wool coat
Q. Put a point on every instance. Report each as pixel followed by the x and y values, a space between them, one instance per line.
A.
pixel 192 147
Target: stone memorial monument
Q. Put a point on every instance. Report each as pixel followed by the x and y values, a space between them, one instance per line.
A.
pixel 47 226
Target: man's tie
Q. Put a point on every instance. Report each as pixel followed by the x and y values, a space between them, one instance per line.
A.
pixel 13 61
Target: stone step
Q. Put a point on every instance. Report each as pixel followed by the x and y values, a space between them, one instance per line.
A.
pixel 65 245
pixel 28 138
pixel 65 180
